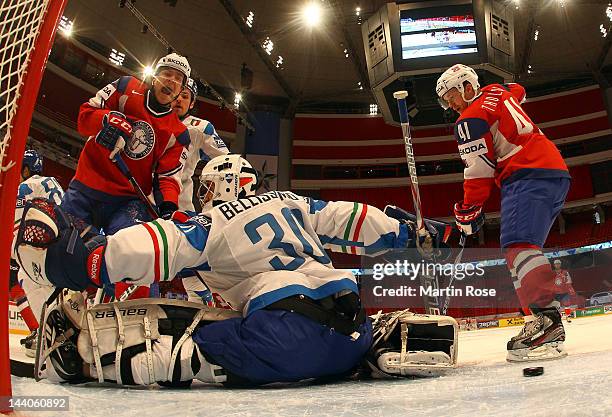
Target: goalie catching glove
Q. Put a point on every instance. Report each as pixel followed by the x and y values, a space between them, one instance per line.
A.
pixel 434 243
pixel 137 342
pixel 409 344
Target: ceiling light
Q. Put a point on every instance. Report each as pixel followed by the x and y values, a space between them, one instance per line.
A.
pixel 268 46
pixel 147 71
pixel 357 10
pixel 116 57
pixel 237 99
pixel 65 26
pixel 250 18
pixel 535 35
pixel 603 30
pixel 373 109
pixel 311 13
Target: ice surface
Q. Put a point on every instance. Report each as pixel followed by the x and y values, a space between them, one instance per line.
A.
pixel 483 385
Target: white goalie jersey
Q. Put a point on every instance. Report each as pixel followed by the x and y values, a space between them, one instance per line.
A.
pixel 258 250
pixel 205 145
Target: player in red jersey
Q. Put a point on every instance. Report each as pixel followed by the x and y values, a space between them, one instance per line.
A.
pixel 500 145
pixel 565 290
pixel 132 119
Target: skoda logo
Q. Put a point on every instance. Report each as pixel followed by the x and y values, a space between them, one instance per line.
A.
pixel 142 141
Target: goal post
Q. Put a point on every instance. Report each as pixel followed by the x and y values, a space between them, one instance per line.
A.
pixel 27 30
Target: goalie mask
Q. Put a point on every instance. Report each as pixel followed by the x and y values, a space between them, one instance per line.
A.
pixel 226 178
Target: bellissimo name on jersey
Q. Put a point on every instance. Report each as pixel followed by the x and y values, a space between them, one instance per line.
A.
pixel 231 208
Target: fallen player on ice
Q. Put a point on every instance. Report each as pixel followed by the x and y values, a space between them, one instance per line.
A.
pixel 297 316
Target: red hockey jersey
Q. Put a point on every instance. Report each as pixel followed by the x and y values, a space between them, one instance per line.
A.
pixel 498 143
pixel 156 145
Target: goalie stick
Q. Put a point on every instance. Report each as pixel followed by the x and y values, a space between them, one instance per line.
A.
pixel 432 305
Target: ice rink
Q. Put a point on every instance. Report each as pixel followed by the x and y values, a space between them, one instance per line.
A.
pixel 484 384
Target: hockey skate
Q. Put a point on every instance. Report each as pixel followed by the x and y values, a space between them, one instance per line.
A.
pixel 29 344
pixel 540 339
pixel 58 350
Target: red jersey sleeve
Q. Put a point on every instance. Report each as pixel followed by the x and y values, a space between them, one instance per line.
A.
pixel 518 91
pixel 171 163
pixel 93 111
pixel 476 150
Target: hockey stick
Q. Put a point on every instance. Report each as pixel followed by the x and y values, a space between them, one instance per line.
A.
pixel 431 302
pixel 452 278
pixel 118 160
pixel 414 180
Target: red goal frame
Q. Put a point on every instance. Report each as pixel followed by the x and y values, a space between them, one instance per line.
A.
pixel 9 179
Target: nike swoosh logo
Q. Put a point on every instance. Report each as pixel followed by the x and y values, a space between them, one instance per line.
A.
pixel 188 229
pixel 137 93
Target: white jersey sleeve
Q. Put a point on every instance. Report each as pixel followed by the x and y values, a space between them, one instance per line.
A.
pixel 356 228
pixel 205 145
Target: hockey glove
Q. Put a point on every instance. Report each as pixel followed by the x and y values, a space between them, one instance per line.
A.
pixel 166 209
pixel 116 130
pixel 469 219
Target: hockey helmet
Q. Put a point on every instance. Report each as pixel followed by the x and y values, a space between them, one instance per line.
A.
pixel 455 77
pixel 33 161
pixel 174 61
pixel 192 86
pixel 226 178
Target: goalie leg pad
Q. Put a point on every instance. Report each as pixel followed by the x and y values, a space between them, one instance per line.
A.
pixel 50 249
pixel 140 342
pixel 408 344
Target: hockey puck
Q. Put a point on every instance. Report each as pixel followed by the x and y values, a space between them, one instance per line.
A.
pixel 535 371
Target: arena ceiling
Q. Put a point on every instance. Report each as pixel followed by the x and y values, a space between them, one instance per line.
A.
pixel 315 69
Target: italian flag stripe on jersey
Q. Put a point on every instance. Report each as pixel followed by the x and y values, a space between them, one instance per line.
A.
pixel 353 228
pixel 165 252
pixel 362 215
pixel 157 234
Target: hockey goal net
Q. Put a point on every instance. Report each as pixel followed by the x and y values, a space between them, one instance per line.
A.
pixel 468 323
pixel 26 34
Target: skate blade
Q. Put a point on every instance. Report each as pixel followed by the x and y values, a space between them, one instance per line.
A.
pixel 546 352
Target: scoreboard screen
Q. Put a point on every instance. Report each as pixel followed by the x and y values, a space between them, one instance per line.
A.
pixel 437 36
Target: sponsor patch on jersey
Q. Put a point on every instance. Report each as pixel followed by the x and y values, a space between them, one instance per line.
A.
pixel 474 148
pixel 107 91
pixel 219 142
pixel 202 220
pixel 142 141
